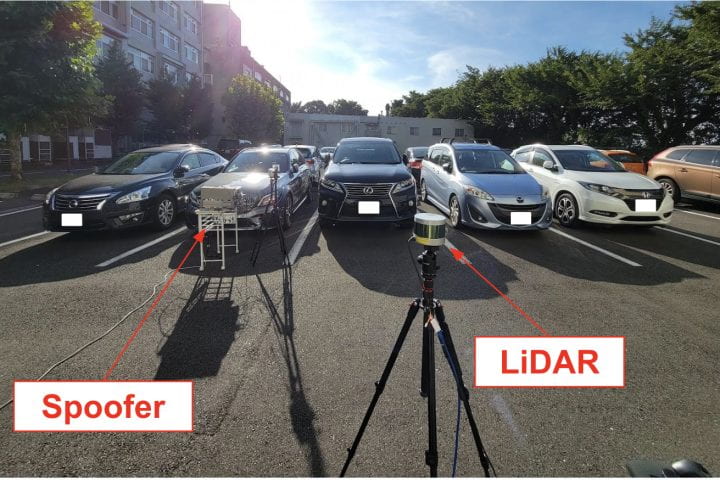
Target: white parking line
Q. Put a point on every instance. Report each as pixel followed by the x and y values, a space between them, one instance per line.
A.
pixel 140 248
pixel 596 248
pixel 23 238
pixel 301 239
pixel 19 211
pixel 664 229
pixel 698 214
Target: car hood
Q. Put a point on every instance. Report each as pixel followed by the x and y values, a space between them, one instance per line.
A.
pixel 97 184
pixel 628 180
pixel 504 184
pixel 367 173
pixel 246 181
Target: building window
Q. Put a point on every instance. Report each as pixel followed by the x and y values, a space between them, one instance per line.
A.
pixel 142 24
pixel 189 77
pixel 415 131
pixel 347 127
pixel 389 130
pixel 437 132
pixel 191 25
pixel 171 71
pixel 258 77
pixel 169 8
pixel 192 54
pixel 141 61
pixel 103 44
pixel 247 71
pixel 110 8
pixel 168 40
pixel 459 132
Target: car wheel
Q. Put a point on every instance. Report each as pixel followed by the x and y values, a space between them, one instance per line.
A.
pixel 566 210
pixel 288 211
pixel 164 212
pixel 671 188
pixel 423 191
pixel 455 216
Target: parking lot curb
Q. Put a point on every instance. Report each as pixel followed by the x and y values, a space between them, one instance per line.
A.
pixel 8 195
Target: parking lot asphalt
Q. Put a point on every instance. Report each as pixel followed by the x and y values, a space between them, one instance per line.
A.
pixel 284 368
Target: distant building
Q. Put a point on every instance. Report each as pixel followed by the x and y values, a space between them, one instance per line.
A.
pixel 225 57
pixel 326 130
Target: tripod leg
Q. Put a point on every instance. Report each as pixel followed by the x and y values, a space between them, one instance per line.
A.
pixel 380 384
pixel 425 356
pixel 462 389
pixel 431 455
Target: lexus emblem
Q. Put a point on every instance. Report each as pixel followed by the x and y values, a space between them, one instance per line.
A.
pixel 73 203
pixel 520 199
pixel 646 194
pixel 368 190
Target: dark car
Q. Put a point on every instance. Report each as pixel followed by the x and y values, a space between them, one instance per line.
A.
pixel 367 180
pixel 148 186
pixel 248 172
pixel 229 147
pixel 415 156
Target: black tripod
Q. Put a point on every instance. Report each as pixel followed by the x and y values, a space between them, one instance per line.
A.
pixel 273 217
pixel 433 321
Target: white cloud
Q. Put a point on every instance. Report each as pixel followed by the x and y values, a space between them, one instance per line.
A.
pixel 445 66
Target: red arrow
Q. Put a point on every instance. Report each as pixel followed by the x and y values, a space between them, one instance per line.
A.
pixel 460 257
pixel 199 237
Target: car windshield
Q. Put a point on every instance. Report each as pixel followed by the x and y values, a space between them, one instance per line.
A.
pixel 419 152
pixel 258 161
pixel 143 163
pixel 306 152
pixel 587 161
pixel 486 161
pixel 366 152
pixel 327 150
pixel 625 157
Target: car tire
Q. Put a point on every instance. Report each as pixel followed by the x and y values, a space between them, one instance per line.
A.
pixel 455 214
pixel 288 211
pixel 423 191
pixel 165 212
pixel 566 210
pixel 671 188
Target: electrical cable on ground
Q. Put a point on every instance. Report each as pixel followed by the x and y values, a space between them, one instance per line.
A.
pixel 106 333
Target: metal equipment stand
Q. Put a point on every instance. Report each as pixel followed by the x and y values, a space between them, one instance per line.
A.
pixel 433 323
pixel 214 221
pixel 274 217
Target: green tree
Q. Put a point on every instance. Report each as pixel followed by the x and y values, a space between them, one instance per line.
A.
pixel 703 40
pixel 346 107
pixel 123 84
pixel 410 105
pixel 253 111
pixel 314 106
pixel 296 107
pixel 46 60
pixel 197 108
pixel 166 105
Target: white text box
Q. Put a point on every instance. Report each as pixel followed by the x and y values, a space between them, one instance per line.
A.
pixel 369 208
pixel 71 220
pixel 520 218
pixel 646 205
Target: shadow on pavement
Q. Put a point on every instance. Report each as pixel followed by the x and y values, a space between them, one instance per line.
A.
pixel 377 256
pixel 203 334
pixel 301 412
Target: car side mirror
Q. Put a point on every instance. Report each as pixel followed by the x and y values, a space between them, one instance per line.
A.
pixel 295 168
pixel 447 167
pixel 405 158
pixel 180 171
pixel 549 165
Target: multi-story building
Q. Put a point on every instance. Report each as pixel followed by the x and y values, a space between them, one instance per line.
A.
pixel 326 130
pixel 224 58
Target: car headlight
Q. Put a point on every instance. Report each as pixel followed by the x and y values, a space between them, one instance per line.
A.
pixel 476 192
pixel 135 196
pixel 329 184
pixel 410 182
pixel 264 201
pixel 49 195
pixel 604 189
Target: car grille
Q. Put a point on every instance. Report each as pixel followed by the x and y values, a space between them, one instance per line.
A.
pixel 629 196
pixel 502 211
pixel 358 190
pixel 77 202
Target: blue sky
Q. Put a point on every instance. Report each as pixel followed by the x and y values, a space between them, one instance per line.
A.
pixel 375 51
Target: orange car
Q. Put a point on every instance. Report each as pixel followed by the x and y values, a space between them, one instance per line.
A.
pixel 630 161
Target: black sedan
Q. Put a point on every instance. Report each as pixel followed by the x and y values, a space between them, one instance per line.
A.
pixel 148 186
pixel 367 180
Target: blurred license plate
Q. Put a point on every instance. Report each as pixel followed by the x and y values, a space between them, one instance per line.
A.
pixel 369 208
pixel 646 205
pixel 71 219
pixel 520 218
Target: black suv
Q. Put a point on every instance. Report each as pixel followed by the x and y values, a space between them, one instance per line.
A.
pixel 367 180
